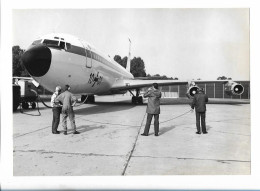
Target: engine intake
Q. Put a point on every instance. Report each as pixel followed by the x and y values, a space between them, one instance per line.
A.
pixel 233 88
pixel 191 91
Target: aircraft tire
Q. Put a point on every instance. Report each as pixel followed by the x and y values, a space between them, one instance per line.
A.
pixel 133 100
pixel 83 98
pixel 25 105
pixel 91 99
pixel 140 100
pixel 33 105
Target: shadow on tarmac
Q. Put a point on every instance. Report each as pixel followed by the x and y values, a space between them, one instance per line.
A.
pixel 166 129
pixel 104 107
pixel 85 128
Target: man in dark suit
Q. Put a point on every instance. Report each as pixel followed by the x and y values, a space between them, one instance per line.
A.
pixel 153 109
pixel 199 102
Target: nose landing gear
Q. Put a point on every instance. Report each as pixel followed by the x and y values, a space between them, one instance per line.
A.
pixel 88 98
pixel 136 99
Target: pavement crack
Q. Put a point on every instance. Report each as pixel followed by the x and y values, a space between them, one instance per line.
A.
pixel 189 158
pixel 133 148
pixel 66 153
pixel 31 132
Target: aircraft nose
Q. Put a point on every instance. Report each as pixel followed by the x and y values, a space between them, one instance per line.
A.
pixel 37 60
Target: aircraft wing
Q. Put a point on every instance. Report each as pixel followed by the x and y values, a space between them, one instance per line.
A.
pixel 134 84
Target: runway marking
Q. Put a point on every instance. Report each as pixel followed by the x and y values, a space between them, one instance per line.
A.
pixel 131 152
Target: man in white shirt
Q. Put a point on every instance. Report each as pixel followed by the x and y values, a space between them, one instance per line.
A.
pixel 56 109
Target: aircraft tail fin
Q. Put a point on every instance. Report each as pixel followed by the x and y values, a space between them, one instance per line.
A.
pixel 128 64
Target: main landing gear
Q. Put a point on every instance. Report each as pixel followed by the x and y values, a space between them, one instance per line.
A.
pixel 88 98
pixel 136 99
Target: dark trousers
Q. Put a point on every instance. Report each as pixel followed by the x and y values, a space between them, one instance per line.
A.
pixel 148 123
pixel 56 118
pixel 202 116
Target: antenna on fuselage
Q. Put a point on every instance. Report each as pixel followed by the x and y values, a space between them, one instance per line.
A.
pixel 128 64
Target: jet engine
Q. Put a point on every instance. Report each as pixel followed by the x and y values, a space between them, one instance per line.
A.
pixel 192 90
pixel 233 88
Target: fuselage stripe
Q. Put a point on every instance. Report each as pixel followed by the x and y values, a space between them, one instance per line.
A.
pixel 90 54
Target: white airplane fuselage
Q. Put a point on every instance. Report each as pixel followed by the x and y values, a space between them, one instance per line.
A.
pixel 73 62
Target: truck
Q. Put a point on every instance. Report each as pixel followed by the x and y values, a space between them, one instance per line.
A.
pixel 24 93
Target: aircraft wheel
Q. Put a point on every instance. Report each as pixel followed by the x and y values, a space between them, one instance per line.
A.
pixel 135 100
pixel 25 105
pixel 91 99
pixel 140 100
pixel 33 105
pixel 83 98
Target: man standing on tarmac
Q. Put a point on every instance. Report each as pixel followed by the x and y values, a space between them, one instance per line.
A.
pixel 68 101
pixel 199 102
pixel 56 109
pixel 153 109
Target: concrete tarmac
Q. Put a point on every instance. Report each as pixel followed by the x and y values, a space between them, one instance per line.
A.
pixel 110 143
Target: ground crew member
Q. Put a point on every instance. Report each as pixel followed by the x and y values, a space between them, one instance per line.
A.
pixel 199 102
pixel 56 109
pixel 68 101
pixel 153 109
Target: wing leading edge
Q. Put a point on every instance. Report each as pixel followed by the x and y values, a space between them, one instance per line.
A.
pixel 134 84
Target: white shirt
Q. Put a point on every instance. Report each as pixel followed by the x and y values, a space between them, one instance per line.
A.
pixel 53 97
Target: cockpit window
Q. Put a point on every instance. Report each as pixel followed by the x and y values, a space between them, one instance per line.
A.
pixel 57 44
pixel 68 46
pixel 62 44
pixel 51 43
pixel 37 42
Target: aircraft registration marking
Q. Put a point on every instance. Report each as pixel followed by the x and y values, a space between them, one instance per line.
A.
pixel 95 80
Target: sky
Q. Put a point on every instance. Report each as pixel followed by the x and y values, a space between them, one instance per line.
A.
pixel 186 43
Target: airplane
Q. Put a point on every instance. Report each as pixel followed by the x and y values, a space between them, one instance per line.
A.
pixel 59 59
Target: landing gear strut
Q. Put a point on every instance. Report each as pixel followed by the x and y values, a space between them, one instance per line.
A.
pixel 88 98
pixel 136 99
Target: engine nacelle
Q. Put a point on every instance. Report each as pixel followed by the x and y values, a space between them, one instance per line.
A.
pixel 192 90
pixel 233 88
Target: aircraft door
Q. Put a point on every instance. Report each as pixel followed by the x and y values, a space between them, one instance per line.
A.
pixel 88 57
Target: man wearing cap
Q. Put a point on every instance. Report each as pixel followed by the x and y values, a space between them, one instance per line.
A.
pixel 199 102
pixel 153 109
pixel 56 109
pixel 68 101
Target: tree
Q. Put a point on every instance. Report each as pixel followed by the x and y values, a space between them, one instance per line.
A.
pixel 223 78
pixel 120 61
pixel 18 68
pixel 117 58
pixel 137 65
